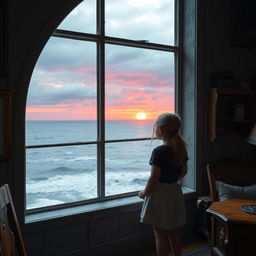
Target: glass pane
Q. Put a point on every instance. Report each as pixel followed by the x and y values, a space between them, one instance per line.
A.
pixel 116 129
pixel 139 86
pixel 53 132
pixel 63 87
pixel 141 20
pixel 127 166
pixel 60 175
pixel 82 18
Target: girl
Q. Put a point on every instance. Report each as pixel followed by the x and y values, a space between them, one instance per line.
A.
pixel 163 207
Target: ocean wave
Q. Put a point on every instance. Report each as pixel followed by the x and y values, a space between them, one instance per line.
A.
pixel 68 153
pixel 43 159
pixel 63 170
pixel 70 188
pixel 42 202
pixel 82 158
pixel 61 158
pixel 38 179
pixel 140 181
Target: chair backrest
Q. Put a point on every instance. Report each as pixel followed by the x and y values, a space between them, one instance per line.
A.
pixel 11 241
pixel 231 171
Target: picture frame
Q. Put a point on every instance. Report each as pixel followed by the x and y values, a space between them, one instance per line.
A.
pixel 5 125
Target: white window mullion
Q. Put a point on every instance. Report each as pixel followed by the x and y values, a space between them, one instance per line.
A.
pixel 101 98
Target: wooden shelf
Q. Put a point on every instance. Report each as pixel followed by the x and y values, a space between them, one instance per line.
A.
pixel 222 105
pixel 232 91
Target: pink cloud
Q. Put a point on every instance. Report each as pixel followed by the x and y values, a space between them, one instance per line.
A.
pixel 77 70
pixel 136 79
pixel 61 112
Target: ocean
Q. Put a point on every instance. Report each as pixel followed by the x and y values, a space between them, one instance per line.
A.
pixel 66 174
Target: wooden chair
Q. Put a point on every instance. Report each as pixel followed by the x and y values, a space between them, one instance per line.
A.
pixel 11 241
pixel 230 171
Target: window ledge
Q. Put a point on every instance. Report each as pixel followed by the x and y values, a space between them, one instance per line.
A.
pixel 93 207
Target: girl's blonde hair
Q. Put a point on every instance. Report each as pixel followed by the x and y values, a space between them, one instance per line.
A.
pixel 171 124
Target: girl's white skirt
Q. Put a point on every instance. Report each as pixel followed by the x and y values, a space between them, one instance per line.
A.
pixel 164 208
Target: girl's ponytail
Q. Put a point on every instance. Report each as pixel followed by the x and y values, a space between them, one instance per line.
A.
pixel 179 153
pixel 172 124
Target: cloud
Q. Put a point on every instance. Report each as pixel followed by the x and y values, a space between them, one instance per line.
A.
pixel 130 19
pixel 137 60
pixel 82 18
pixel 139 81
pixel 65 74
pixel 60 53
pixel 54 94
pixel 141 20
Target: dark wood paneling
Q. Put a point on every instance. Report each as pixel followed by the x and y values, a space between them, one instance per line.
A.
pixel 35 241
pixel 79 232
pixel 130 224
pixel 103 230
pixel 52 242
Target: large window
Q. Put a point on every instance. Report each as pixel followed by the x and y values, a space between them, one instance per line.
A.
pixel 103 77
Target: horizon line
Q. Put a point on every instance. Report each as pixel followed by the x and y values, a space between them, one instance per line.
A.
pixel 89 119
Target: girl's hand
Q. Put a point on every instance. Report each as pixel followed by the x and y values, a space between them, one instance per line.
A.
pixel 142 194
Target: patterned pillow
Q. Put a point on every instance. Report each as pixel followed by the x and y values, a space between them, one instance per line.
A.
pixel 226 191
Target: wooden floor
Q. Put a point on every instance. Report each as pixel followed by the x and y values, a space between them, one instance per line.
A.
pixel 188 245
pixel 193 244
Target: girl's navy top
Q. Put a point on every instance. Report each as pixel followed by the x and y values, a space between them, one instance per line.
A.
pixel 161 157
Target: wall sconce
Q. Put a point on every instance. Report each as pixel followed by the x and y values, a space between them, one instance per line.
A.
pixel 252 136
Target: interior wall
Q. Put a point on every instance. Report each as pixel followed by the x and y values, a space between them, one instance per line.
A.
pixel 189 90
pixel 219 55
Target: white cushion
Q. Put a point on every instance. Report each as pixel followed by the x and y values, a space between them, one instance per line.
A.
pixel 226 191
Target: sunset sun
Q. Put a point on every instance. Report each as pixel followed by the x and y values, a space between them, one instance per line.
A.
pixel 141 116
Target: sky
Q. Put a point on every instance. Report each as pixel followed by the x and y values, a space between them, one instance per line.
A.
pixel 63 85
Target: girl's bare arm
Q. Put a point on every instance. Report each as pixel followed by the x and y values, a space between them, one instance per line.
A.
pixel 152 180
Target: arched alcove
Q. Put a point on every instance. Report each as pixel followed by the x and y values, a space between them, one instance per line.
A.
pixel 99 73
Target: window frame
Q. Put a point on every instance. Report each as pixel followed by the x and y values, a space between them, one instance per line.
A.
pixel 101 40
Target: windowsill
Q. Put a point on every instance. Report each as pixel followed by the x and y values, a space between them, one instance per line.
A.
pixel 35 217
